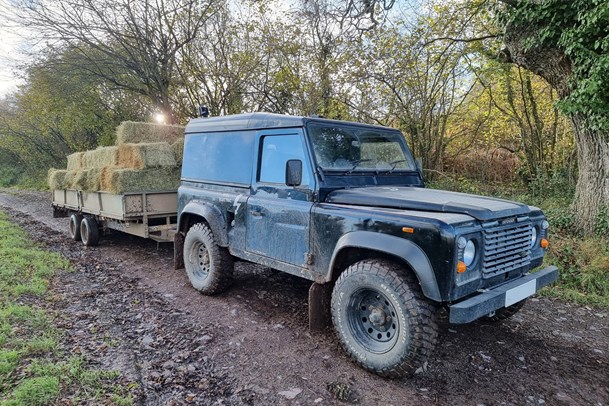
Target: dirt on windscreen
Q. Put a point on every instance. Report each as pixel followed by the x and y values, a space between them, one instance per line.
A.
pixel 126 308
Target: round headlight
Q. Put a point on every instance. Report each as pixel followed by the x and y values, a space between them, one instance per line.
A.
pixel 545 225
pixel 469 253
pixel 534 237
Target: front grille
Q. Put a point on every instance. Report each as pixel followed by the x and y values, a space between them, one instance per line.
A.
pixel 506 247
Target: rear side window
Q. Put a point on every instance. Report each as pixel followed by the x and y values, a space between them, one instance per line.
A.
pixel 219 157
pixel 276 151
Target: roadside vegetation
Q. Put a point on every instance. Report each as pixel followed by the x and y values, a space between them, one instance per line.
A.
pixel 35 369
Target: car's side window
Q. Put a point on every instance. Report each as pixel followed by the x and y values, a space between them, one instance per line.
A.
pixel 276 151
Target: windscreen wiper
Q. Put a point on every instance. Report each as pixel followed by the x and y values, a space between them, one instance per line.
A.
pixel 395 164
pixel 356 164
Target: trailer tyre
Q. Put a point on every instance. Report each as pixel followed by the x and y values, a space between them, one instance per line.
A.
pixel 75 220
pixel 382 319
pixel 209 266
pixel 89 231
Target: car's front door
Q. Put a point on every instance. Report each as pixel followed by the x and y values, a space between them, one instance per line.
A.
pixel 278 216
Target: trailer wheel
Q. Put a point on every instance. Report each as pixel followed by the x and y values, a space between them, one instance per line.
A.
pixel 382 319
pixel 89 232
pixel 209 266
pixel 75 220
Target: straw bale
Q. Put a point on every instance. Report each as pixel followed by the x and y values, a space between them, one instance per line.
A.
pixel 100 157
pixel 57 179
pixel 144 156
pixel 130 132
pixel 75 161
pixel 178 150
pixel 120 181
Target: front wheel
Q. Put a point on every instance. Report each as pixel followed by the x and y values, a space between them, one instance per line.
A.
pixel 209 266
pixel 382 319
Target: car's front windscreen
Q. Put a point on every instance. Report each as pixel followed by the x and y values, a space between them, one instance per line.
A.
pixel 353 149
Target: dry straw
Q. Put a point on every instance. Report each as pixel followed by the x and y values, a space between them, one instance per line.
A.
pixel 130 132
pixel 178 150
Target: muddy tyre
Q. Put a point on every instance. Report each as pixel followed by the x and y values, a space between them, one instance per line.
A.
pixel 89 232
pixel 382 319
pixel 74 226
pixel 505 312
pixel 209 266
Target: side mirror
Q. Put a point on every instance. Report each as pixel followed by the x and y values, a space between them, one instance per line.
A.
pixel 293 172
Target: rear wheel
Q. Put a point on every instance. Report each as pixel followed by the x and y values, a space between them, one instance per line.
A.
pixel 89 231
pixel 75 220
pixel 209 266
pixel 382 319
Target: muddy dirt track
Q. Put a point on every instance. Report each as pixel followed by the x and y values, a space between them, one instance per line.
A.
pixel 126 308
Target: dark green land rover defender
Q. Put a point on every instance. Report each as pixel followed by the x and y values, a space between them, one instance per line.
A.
pixel 344 205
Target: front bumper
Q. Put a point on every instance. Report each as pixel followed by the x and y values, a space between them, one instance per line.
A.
pixel 505 295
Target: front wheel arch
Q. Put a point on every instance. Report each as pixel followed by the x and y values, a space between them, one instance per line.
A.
pixel 360 245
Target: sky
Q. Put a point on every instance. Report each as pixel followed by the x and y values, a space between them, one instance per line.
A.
pixel 12 47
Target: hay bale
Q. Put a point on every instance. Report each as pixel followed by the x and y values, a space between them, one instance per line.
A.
pixel 57 179
pixel 144 156
pixel 75 161
pixel 100 157
pixel 130 132
pixel 87 180
pixel 120 181
pixel 178 151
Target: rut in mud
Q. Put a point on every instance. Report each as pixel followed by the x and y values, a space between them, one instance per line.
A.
pixel 126 308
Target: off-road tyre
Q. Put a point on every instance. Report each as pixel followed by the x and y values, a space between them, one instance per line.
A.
pixel 89 232
pixel 505 312
pixel 74 226
pixel 209 266
pixel 364 295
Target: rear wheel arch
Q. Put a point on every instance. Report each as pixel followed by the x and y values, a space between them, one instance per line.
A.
pixel 203 212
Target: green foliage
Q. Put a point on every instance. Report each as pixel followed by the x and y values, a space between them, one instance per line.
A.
pixel 579 29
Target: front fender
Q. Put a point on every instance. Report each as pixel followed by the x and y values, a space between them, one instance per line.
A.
pixel 212 215
pixel 406 250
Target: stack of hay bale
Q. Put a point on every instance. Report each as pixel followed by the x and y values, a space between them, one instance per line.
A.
pixel 147 157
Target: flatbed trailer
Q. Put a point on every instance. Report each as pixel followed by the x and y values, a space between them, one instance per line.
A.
pixel 144 214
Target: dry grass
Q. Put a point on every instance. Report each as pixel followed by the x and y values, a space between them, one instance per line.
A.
pixel 130 132
pixel 57 179
pixel 494 165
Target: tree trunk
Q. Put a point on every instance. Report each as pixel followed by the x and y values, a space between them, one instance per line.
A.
pixel 592 190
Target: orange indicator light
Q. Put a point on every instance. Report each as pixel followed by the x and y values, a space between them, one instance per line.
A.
pixel 544 243
pixel 461 267
pixel 408 230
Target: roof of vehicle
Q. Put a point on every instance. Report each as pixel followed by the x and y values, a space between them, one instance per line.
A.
pixel 257 121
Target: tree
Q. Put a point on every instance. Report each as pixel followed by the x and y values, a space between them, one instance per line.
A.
pixel 567 43
pixel 134 45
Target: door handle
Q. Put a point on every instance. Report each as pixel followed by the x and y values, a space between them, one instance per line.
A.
pixel 257 213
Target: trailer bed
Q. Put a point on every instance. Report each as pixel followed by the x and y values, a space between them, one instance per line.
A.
pixel 145 214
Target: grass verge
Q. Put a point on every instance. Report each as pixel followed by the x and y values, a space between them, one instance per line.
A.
pixel 34 368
